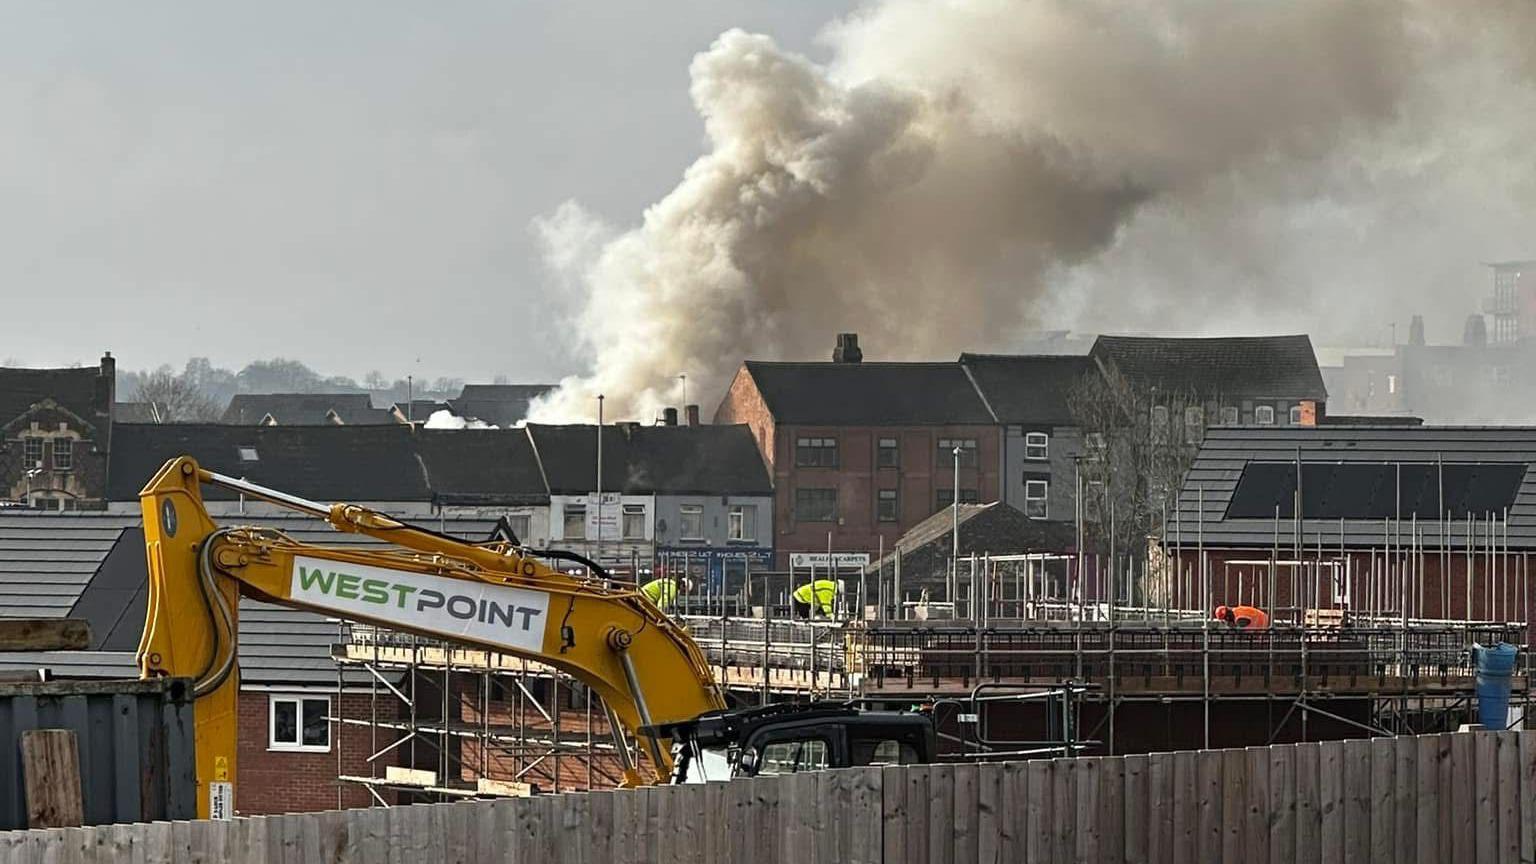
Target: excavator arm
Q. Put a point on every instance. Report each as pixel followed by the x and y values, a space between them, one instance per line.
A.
pixel 495 596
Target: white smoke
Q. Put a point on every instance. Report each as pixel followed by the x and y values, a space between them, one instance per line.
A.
pixel 963 170
pixel 445 419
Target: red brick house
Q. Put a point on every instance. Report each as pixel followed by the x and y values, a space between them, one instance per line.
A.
pixel 863 451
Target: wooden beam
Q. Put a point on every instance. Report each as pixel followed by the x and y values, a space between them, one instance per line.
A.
pixel 44 634
pixel 50 767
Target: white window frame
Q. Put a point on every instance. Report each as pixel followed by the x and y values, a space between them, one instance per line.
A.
pixel 1264 415
pixel 1044 497
pixel 683 512
pixel 1037 446
pixel 1229 415
pixel 625 512
pixel 736 523
pixel 273 745
pixel 1295 417
pixel 68 463
pixel 566 513
pixel 247 453
pixel 27 444
pixel 522 525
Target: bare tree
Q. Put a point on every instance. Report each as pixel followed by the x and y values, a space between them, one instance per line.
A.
pixel 175 398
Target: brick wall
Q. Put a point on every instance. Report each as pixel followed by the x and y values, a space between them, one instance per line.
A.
pixel 743 403
pixel 84 484
pixel 271 781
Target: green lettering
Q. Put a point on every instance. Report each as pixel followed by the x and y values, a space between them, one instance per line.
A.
pixel 375 591
pixel 401 591
pixel 308 578
pixel 346 586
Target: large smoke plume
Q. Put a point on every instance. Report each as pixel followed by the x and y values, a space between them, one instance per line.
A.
pixel 959 171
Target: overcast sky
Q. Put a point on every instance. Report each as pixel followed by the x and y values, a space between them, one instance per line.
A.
pixel 347 183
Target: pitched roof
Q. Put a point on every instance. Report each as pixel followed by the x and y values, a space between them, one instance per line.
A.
pixel 74 389
pixel 481 466
pixel 104 584
pixel 1029 389
pixel 868 394
pixel 420 410
pixel 666 460
pixel 1230 366
pixel 1353 472
pixel 498 404
pixel 306 409
pixel 136 412
pixel 347 463
pixel 996 528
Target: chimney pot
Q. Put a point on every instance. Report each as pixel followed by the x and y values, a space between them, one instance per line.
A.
pixel 669 416
pixel 692 412
pixel 847 350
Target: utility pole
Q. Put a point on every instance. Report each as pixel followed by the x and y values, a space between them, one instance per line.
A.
pixel 954 529
pixel 598 545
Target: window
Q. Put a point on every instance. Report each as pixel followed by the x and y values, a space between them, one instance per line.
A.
pixel 690 522
pixel 789 757
pixel 1094 444
pixel 634 522
pixel 299 723
pixel 32 451
pixel 967 452
pixel 816 505
pixel 1035 495
pixel 884 752
pixel 743 522
pixel 248 454
pixel 947 497
pixel 816 452
pixel 1295 415
pixel 887 454
pixel 1229 415
pixel 1391 383
pixel 1037 445
pixel 522 525
pixel 63 454
pixel 575 522
pixel 1264 415
pixel 887 506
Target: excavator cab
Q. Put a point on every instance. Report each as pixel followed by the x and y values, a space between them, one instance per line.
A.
pixel 787 739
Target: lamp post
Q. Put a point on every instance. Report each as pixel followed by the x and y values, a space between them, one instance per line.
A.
pixel 954 530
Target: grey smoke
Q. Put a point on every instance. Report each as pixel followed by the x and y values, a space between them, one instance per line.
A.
pixel 961 171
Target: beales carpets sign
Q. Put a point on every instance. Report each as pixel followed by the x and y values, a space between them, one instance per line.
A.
pixel 456 608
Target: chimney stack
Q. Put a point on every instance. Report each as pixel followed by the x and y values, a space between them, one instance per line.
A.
pixel 1416 330
pixel 847 350
pixel 692 412
pixel 1476 334
pixel 669 416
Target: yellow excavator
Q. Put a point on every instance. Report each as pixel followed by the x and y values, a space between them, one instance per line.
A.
pixel 654 681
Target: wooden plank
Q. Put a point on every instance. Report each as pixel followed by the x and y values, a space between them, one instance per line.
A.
pixel 1014 810
pixel 829 807
pixel 1331 794
pixel 1357 800
pixel 1507 745
pixel 1040 820
pixel 1234 802
pixel 1405 779
pixel 1064 808
pixel 572 843
pixel 941 814
pixel 1086 829
pixel 893 814
pixel 864 816
pixel 1186 810
pixel 1463 835
pixel 802 795
pixel 717 824
pixel 1208 798
pixel 1257 812
pixel 1134 805
pixel 1282 803
pixel 1485 784
pixel 50 770
pixel 1527 766
pixel 1426 823
pixel 157 843
pixel 458 831
pixel 1309 803
pixel 44 634
pixel 967 812
pixel 989 814
pixel 1160 808
pixel 1111 821
pixel 624 842
pixel 917 813
pixel 1383 801
pixel 663 805
pixel 770 808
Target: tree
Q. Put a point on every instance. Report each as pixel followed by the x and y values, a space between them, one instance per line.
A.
pixel 375 380
pixel 175 397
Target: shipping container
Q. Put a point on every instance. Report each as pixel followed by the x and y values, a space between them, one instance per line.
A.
pixel 135 742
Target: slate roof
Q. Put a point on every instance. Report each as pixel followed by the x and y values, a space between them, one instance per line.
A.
pixel 868 394
pixel 996 528
pixel 1272 367
pixel 74 389
pixel 306 409
pixel 498 404
pixel 481 466
pixel 136 412
pixel 1219 466
pixel 666 460
pixel 420 410
pixel 349 463
pixel 103 582
pixel 1027 389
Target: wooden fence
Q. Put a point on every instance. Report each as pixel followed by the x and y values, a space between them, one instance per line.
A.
pixel 1435 798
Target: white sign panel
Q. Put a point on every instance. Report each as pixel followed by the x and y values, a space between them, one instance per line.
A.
pixel 819 559
pixel 456 608
pixel 221 800
pixel 603 516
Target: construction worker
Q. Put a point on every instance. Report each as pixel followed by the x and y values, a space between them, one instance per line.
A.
pixel 1243 617
pixel 823 592
pixel 663 591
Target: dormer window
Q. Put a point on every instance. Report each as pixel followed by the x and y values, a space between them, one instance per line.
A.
pixel 248 454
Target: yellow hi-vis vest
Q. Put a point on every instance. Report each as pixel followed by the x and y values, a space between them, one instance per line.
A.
pixel 663 592
pixel 825 591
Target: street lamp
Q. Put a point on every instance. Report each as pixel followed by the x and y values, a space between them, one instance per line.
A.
pixel 32 472
pixel 954 530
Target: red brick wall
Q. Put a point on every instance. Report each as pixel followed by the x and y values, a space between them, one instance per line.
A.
pixel 271 781
pixel 743 403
